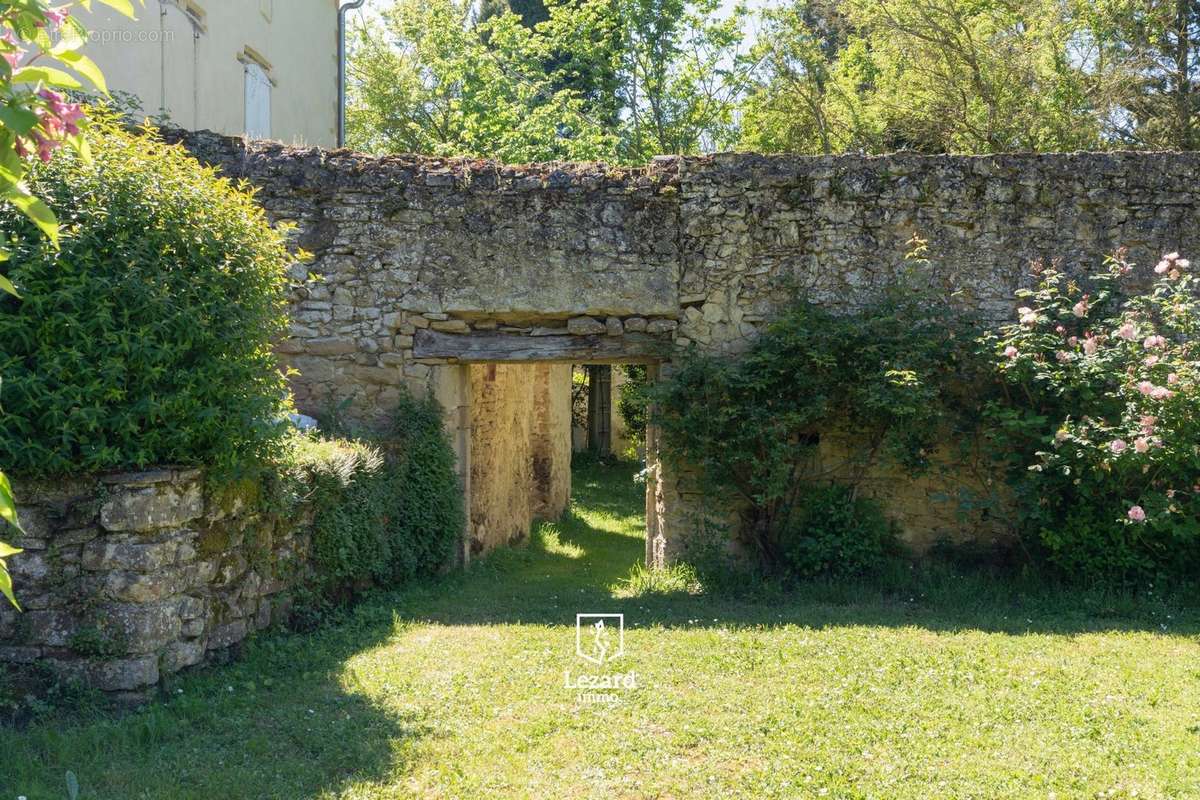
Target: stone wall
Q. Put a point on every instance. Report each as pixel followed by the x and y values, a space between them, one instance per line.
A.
pixel 130 577
pixel 696 250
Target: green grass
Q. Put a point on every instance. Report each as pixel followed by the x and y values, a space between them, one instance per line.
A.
pixel 916 686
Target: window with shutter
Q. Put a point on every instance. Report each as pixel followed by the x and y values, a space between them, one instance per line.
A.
pixel 258 102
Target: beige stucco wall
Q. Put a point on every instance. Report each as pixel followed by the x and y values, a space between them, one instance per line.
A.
pixel 197 72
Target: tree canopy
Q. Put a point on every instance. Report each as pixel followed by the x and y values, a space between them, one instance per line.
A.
pixel 624 80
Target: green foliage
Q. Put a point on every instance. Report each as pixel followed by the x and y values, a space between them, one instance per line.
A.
pixel 633 400
pixel 148 338
pixel 385 513
pixel 1099 423
pixel 751 424
pixel 595 79
pixel 836 533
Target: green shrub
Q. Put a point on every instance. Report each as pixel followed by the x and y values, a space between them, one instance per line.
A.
pixel 385 512
pixel 835 533
pixel 148 338
pixel 891 371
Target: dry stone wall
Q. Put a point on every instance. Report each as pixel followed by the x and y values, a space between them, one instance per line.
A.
pixel 684 251
pixel 129 577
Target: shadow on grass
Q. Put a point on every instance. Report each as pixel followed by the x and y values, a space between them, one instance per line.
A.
pixel 289 721
pixel 571 566
pixel 283 721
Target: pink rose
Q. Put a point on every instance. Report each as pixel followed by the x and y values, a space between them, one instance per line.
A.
pixel 1080 309
pixel 1172 379
pixel 1141 444
pixel 1127 332
pixel 1137 514
pixel 1090 345
pixel 1118 446
pixel 1147 422
pixel 1162 266
pixel 1028 316
pixel 1011 352
pixel 1161 393
pixel 1154 342
pixel 1064 357
pixel 1145 387
pixel 1150 361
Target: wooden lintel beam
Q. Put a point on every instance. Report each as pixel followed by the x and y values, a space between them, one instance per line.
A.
pixel 495 346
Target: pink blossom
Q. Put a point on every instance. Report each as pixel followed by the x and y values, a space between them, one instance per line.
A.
pixel 1137 514
pixel 1172 379
pixel 1028 315
pixel 1011 352
pixel 1150 361
pixel 1141 444
pixel 1080 309
pixel 1147 422
pixel 1161 393
pixel 1117 446
pixel 1172 256
pixel 1090 345
pixel 1162 266
pixel 1145 387
pixel 1127 332
pixel 1073 341
pixel 1154 342
pixel 57 16
pixel 1064 357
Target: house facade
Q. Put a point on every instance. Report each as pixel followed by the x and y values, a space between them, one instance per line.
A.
pixel 262 68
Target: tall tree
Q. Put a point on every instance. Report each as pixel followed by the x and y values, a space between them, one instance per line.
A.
pixel 1146 56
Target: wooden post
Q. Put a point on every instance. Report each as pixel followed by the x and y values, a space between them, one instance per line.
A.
pixel 600 409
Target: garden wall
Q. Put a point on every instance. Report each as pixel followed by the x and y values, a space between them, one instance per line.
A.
pixel 130 577
pixel 428 264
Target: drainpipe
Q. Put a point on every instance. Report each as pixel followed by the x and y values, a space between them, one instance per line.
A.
pixel 341 110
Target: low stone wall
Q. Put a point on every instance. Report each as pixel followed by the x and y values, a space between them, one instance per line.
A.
pixel 130 577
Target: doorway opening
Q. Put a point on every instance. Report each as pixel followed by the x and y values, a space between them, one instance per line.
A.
pixel 527 422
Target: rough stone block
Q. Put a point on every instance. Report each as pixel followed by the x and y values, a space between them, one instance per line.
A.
pixel 123 675
pixel 585 326
pixel 151 508
pixel 178 655
pixel 141 628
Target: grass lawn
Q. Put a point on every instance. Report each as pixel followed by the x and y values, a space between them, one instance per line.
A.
pixel 938 687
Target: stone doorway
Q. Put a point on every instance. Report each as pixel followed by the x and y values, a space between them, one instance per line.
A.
pixel 511 419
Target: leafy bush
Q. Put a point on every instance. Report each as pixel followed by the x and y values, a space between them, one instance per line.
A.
pixel 750 425
pixel 386 512
pixel 1100 422
pixel 835 533
pixel 147 339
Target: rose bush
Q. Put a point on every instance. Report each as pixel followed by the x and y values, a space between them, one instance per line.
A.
pixel 1100 418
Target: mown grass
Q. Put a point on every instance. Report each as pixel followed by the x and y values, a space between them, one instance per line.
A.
pixel 918 685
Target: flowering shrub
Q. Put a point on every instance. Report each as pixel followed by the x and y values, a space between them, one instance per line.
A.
pixel 1101 395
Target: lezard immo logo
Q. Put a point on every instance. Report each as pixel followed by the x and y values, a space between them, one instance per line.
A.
pixel 599 638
